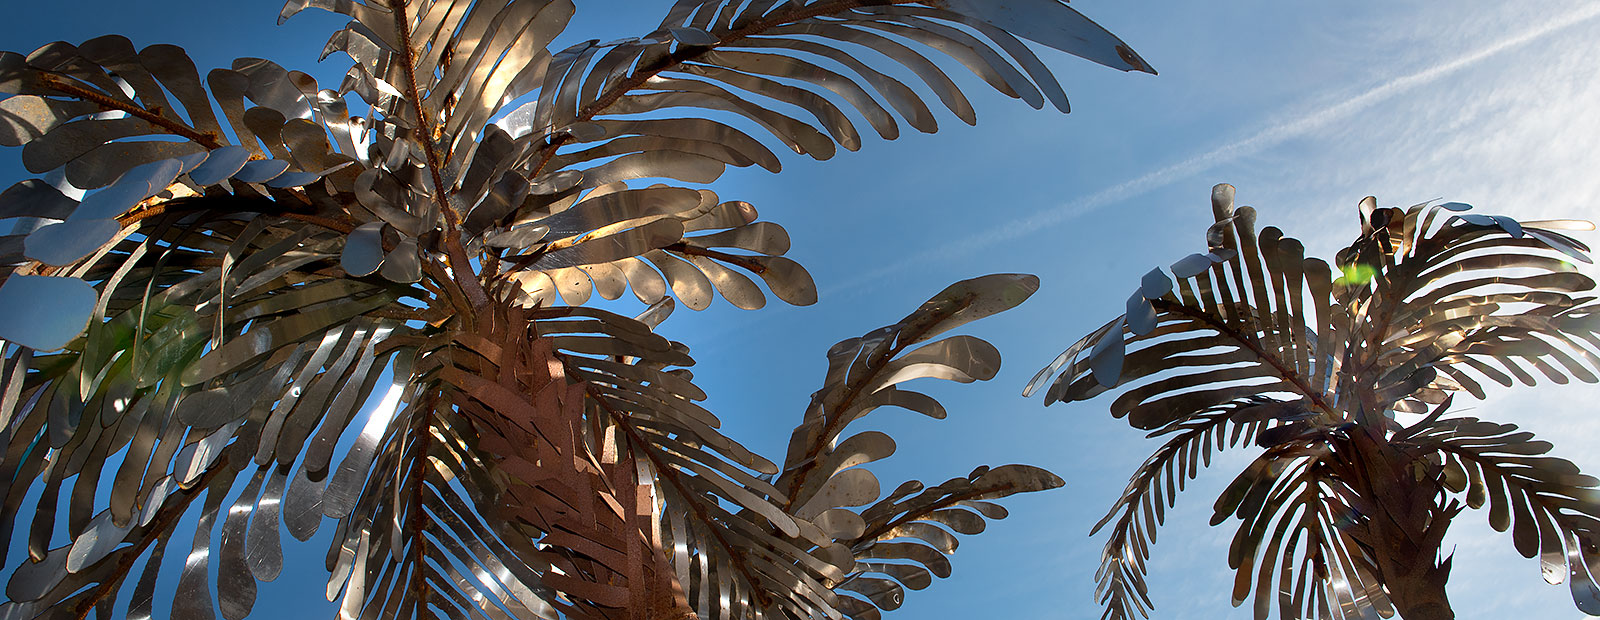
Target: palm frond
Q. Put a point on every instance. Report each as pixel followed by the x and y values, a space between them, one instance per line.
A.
pixel 723 56
pixel 1409 300
pixel 914 528
pixel 1233 326
pixel 822 481
pixel 1550 507
pixel 1310 559
pixel 1152 489
pixel 616 238
pixel 735 550
pixel 123 93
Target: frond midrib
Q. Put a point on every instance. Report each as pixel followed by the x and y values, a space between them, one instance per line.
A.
pixel 1282 367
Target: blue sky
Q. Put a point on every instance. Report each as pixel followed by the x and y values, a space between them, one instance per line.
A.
pixel 1304 107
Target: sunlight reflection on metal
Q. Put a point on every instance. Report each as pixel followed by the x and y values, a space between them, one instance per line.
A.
pixel 383 414
pixel 226 290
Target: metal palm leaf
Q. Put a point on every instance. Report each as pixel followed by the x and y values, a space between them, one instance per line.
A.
pixel 251 263
pixel 1343 512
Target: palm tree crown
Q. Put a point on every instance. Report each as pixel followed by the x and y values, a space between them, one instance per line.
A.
pixel 257 255
pixel 1343 512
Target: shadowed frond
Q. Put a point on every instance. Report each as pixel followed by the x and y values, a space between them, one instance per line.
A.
pixel 219 344
pixel 1320 567
pixel 734 549
pixel 1408 301
pixel 1550 507
pixel 1153 489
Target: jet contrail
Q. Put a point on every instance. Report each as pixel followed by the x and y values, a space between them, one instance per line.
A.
pixel 1271 136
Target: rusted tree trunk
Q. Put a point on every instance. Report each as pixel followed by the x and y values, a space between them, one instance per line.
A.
pixel 586 496
pixel 1404 526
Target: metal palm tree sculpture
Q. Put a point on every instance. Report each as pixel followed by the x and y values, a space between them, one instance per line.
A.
pixel 1343 513
pixel 212 314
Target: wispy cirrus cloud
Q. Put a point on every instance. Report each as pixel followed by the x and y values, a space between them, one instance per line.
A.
pixel 1273 133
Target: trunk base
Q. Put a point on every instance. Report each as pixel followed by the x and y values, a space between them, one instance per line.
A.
pixel 1429 611
pixel 1405 525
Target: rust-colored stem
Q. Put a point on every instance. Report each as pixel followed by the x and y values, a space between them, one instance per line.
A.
pixel 747 262
pixel 1254 345
pixel 174 127
pixel 460 265
pixel 417 585
pixel 947 502
pixel 832 422
pixel 164 208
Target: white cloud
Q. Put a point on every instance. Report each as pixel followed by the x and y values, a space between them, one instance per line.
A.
pixel 1273 134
